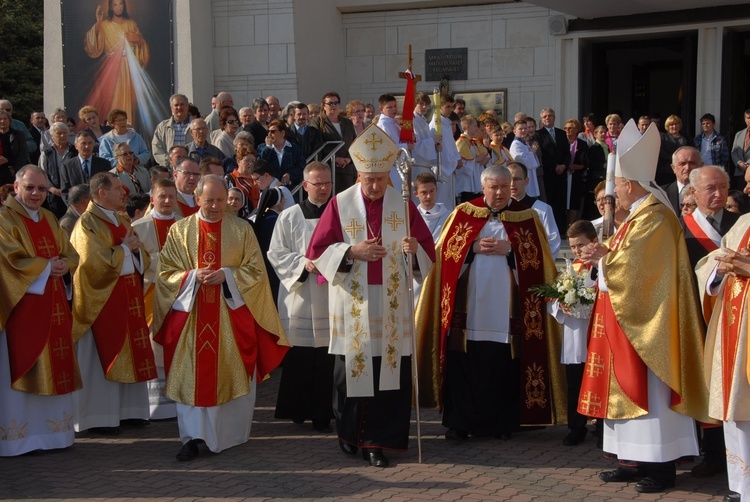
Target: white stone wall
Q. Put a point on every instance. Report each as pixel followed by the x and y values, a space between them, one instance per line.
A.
pixel 509 47
pixel 253 49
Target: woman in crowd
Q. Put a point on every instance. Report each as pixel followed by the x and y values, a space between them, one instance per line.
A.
pixel 13 152
pixel 122 134
pixel 223 139
pixel 738 202
pixel 237 203
pixel 285 157
pixel 671 140
pixel 51 160
pixel 240 177
pixel 59 115
pixel 271 204
pixel 333 127
pixel 90 116
pixel 589 124
pixel 614 126
pixel 135 178
pixel 355 110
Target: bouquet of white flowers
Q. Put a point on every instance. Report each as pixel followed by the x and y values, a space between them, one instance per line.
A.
pixel 570 290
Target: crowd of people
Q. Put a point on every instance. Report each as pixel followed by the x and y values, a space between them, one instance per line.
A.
pixel 153 282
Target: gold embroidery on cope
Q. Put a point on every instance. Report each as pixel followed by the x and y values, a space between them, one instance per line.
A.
pixel 535 387
pixel 591 403
pixel 394 221
pixel 527 249
pixel 594 365
pixel 353 228
pixel 393 317
pixel 357 344
pixel 445 305
pixel 598 330
pixel 13 431
pixel 65 424
pixel 532 319
pixel 457 242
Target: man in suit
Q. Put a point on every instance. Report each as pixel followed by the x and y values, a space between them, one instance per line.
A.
pixel 704 229
pixel 36 128
pixel 302 133
pixel 684 160
pixel 78 200
pixel 81 168
pixel 555 150
pixel 741 153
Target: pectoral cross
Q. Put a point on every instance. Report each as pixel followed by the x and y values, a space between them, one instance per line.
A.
pixel 58 316
pixel 60 349
pixel 353 228
pixel 594 365
pixel 135 308
pixel 141 339
pixel 590 403
pixel 394 221
pixel 45 247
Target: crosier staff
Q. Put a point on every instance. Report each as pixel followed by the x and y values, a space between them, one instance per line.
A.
pixel 608 223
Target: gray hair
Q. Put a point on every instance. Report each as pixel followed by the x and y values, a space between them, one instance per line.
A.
pixel 244 108
pixel 691 149
pixel 547 110
pixel 78 194
pixel 178 96
pixel 243 135
pixel 118 148
pixel 59 126
pixel 495 173
pixel 29 168
pixel 196 121
pixel 696 175
pixel 210 178
pixel 259 103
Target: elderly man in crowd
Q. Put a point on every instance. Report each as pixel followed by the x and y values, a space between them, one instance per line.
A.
pixel 51 161
pixel 78 200
pixel 684 160
pixel 82 168
pixel 200 148
pixel 223 99
pixel 38 368
pixel 172 131
pixel 215 317
pixel 135 178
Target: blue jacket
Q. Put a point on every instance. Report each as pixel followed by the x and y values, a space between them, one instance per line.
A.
pixel 719 149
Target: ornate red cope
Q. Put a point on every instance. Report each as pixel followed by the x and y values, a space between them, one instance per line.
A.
pixel 257 346
pixel 609 350
pixel 407 114
pixel 44 320
pixel 188 210
pixel 123 320
pixel 161 227
pixel 734 301
pixel 536 387
pixel 699 234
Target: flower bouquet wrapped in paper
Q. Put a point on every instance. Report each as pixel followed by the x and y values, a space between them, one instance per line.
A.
pixel 570 290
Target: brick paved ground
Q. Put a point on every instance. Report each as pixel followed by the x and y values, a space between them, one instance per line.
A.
pixel 284 461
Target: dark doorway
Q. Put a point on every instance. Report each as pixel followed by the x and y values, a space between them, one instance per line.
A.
pixel 735 79
pixel 641 77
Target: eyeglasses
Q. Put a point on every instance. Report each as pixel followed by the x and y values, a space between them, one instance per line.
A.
pixel 318 185
pixel 600 200
pixel 126 154
pixel 31 188
pixel 687 204
pixel 729 207
pixel 333 103
pixel 232 121
pixel 188 173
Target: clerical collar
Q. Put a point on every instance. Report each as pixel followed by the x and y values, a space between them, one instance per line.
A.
pixel 311 210
pixel 158 216
pixel 189 198
pixel 34 215
pixel 109 213
pixel 527 200
pixel 203 218
pixel 496 212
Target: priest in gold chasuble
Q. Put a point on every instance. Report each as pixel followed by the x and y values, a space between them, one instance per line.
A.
pixel 109 322
pixel 359 247
pixel 644 368
pixel 489 354
pixel 216 320
pixel 38 367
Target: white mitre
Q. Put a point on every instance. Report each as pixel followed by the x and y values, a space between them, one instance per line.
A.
pixel 373 151
pixel 637 156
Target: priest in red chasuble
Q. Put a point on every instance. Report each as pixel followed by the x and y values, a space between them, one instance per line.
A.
pixel 109 319
pixel 359 247
pixel 489 352
pixel 38 368
pixel 644 368
pixel 216 320
pixel 152 231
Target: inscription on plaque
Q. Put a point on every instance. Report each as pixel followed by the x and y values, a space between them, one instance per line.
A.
pixel 452 64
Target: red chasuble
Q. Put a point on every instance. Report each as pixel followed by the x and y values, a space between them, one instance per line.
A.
pixel 536 385
pixel 39 321
pixel 122 321
pixel 162 229
pixel 188 210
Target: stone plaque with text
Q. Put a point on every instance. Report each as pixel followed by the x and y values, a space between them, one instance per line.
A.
pixel 452 64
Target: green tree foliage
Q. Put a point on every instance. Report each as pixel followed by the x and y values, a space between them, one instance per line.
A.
pixel 22 55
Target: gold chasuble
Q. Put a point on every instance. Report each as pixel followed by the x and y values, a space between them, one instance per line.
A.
pixel 110 304
pixel 441 313
pixel 646 321
pixel 212 352
pixel 38 326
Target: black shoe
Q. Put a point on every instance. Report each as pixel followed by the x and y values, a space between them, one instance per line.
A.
pixel 619 475
pixel 189 451
pixel 106 431
pixel 456 435
pixel 135 422
pixel 652 485
pixel 347 448
pixel 706 469
pixel 322 426
pixel 375 457
pixel 575 437
pixel 732 497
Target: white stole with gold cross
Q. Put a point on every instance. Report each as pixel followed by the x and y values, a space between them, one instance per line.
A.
pixel 352 289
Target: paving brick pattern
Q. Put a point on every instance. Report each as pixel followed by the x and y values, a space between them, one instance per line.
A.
pixel 284 461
